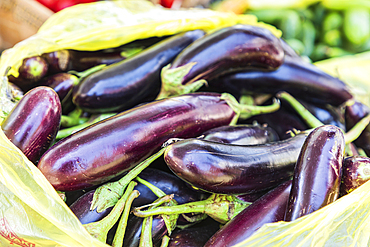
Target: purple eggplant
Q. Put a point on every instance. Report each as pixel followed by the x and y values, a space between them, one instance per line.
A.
pixel 114 145
pixel 125 84
pixel 194 236
pixel 169 184
pixel 62 83
pixel 81 208
pixel 33 123
pixel 223 51
pixel 241 134
pixel 58 61
pixel 318 172
pixel 356 171
pixel 354 112
pixel 268 209
pixel 295 76
pixel 234 169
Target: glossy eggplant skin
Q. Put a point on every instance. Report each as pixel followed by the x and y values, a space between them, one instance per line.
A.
pixel 33 123
pixel 81 208
pixel 62 83
pixel 267 209
pixel 125 84
pixel 169 184
pixel 109 148
pixel 234 169
pixel 299 78
pixel 318 172
pixel 194 236
pixel 230 49
pixel 354 113
pixel 356 171
pixel 241 134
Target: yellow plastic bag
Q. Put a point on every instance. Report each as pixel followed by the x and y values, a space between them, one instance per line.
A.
pixel 108 24
pixel 31 212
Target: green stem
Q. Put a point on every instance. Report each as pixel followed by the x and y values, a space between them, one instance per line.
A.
pixel 247 111
pixel 165 241
pixel 121 229
pixel 87 72
pixel 68 131
pixel 356 130
pixel 108 194
pixel 100 229
pixel 222 208
pixel 310 119
pixel 146 233
pixel 157 191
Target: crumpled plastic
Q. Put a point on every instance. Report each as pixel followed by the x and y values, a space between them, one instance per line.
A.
pixel 31 212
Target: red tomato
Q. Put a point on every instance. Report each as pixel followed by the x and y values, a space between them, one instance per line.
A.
pixel 166 3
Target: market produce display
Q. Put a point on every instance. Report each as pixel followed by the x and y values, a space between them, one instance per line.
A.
pixel 202 134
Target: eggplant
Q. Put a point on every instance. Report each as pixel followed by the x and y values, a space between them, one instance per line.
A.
pixel 135 80
pixel 114 145
pixel 356 171
pixel 168 183
pixel 301 79
pixel 268 209
pixel 354 112
pixel 58 61
pixel 33 123
pixel 62 83
pixel 223 51
pixel 234 169
pixel 317 174
pixel 241 134
pixel 194 236
pixel 81 208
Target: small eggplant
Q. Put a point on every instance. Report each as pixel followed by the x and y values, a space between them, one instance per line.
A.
pixel 58 61
pixel 223 51
pixel 241 134
pixel 33 123
pixel 268 209
pixel 168 183
pixel 125 84
pixel 114 145
pixel 234 169
pixel 356 171
pixel 318 172
pixel 295 76
pixel 354 112
pixel 194 236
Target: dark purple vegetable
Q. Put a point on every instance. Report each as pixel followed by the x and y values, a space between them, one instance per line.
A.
pixel 169 184
pixel 125 84
pixel 58 61
pixel 354 112
pixel 318 172
pixel 114 145
pixel 268 209
pixel 234 169
pixel 297 77
pixel 229 49
pixel 356 171
pixel 194 236
pixel 34 122
pixel 62 83
pixel 241 134
pixel 81 208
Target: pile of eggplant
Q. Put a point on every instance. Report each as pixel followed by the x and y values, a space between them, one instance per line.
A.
pixel 195 139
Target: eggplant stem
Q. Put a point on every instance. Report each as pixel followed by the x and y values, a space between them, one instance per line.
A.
pixel 100 229
pixel 165 241
pixel 121 229
pixel 146 233
pixel 356 130
pixel 108 194
pixel 307 116
pixel 157 191
pixel 87 72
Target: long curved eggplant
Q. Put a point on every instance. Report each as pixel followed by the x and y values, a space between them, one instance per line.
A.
pixel 114 145
pixel 234 169
pixel 229 49
pixel 245 134
pixel 33 123
pixel 125 84
pixel 299 78
pixel 356 171
pixel 318 172
pixel 269 208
